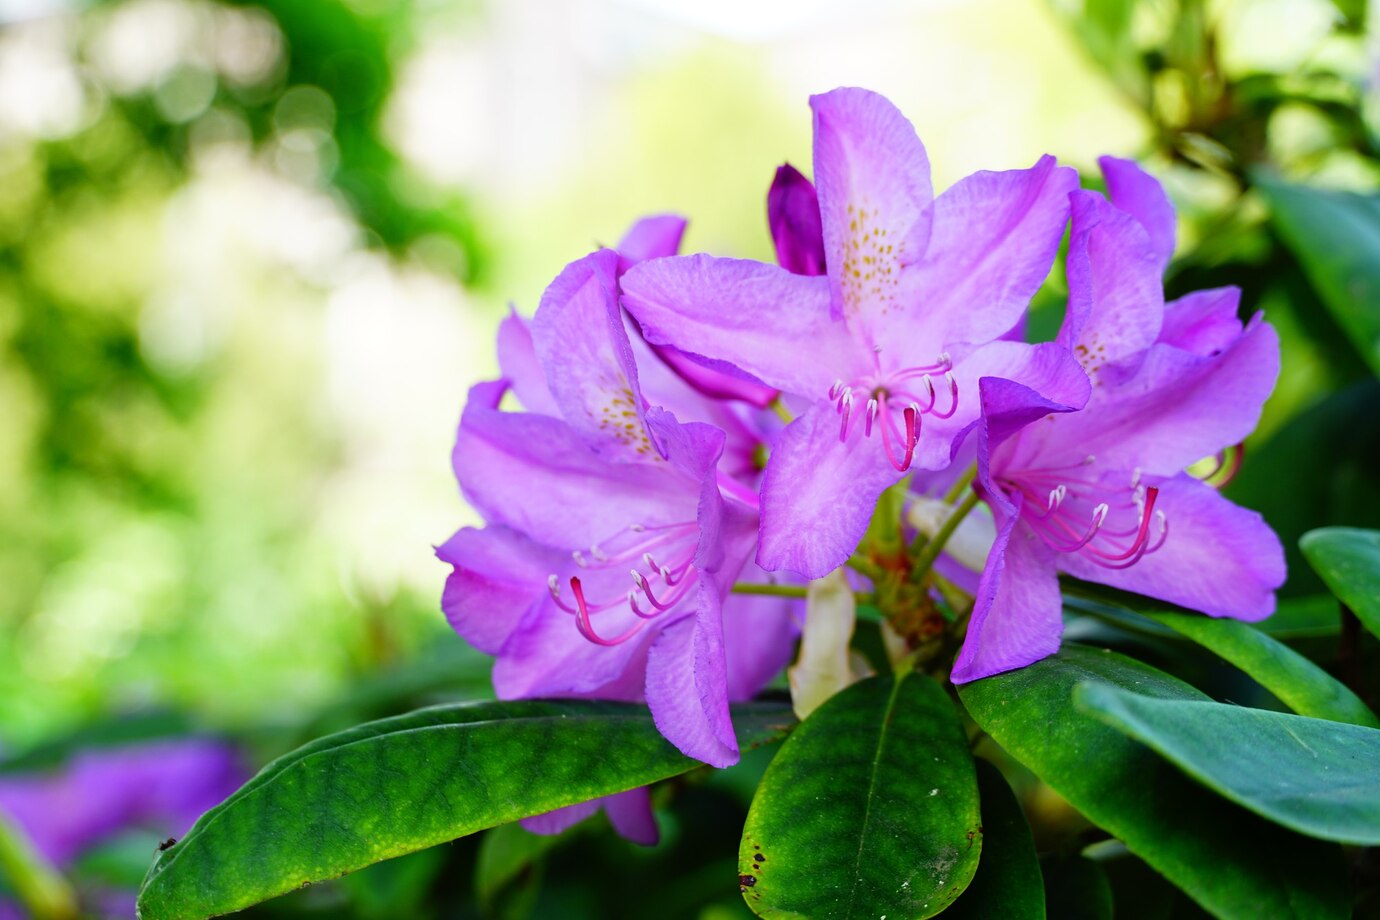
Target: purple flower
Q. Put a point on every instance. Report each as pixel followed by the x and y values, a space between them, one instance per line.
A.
pixel 1101 493
pixel 598 484
pixel 885 350
pixel 163 786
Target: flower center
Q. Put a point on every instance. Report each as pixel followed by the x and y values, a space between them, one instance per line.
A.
pixel 660 581
pixel 1111 525
pixel 893 404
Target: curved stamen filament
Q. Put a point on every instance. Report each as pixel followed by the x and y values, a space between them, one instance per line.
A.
pixel 586 628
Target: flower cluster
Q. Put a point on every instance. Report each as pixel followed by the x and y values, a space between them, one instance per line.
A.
pixel 690 438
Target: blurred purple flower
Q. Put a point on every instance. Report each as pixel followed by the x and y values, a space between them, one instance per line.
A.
pixel 162 786
pixel 1101 493
pixel 886 349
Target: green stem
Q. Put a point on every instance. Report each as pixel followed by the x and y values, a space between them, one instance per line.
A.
pixel 931 551
pixel 781 411
pixel 800 591
pixel 961 485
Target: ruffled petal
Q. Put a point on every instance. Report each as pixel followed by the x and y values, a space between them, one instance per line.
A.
pixel 579 337
pixel 1140 194
pixel 1116 301
pixel 873 180
pixel 818 494
pixel 547 656
pixel 687 688
pixel 650 238
pixel 551 823
pixel 1217 557
pixel 497 575
pixel 1017 611
pixel 994 238
pixel 1047 371
pixel 759 636
pixel 533 474
pixel 793 216
pixel 1203 322
pixel 1174 410
pixel 630 813
pixel 517 361
pixel 744 319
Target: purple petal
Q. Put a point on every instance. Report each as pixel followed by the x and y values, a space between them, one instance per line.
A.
pixel 1140 194
pixel 533 474
pixel 994 238
pixel 793 216
pixel 1017 612
pixel 741 317
pixel 1116 302
pixel 630 813
pixel 715 384
pixel 1176 409
pixel 873 178
pixel 687 687
pixel 579 336
pixel 517 360
pixel 819 493
pixel 1046 370
pixel 759 637
pixel 547 656
pixel 1218 557
pixel 650 238
pixel 1203 322
pixel 498 573
pixel 551 823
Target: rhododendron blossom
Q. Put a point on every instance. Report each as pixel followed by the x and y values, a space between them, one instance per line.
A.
pixel 883 352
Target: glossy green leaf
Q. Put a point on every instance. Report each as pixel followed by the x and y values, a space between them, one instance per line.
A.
pixel 1299 683
pixel 1008 883
pixel 1348 561
pixel 1232 862
pixel 1318 777
pixel 870 809
pixel 395 786
pixel 1336 236
pixel 1076 888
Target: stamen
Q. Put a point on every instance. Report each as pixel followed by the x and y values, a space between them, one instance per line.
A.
pixel 871 414
pixel 586 628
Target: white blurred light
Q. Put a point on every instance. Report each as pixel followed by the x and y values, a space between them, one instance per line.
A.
pixel 41 94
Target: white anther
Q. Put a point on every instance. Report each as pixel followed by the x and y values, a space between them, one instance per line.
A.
pixel 1100 514
pixel 1057 496
pixel 1088 460
pixel 945 359
pixel 649 561
pixel 1135 477
pixel 639 579
pixel 599 554
pixel 637 528
pixel 580 560
pixel 554 583
pixel 836 389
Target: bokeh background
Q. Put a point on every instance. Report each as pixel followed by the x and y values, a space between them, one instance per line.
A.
pixel 253 254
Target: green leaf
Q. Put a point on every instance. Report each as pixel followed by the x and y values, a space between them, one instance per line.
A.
pixel 1311 617
pixel 870 809
pixel 1336 236
pixel 399 785
pixel 1299 683
pixel 1076 888
pixel 1233 863
pixel 1008 882
pixel 1348 561
pixel 1314 776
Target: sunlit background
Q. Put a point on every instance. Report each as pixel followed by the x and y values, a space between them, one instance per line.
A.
pixel 252 255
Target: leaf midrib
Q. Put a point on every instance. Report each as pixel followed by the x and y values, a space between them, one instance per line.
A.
pixel 871 786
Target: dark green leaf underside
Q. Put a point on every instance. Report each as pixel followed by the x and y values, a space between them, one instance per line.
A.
pixel 1347 559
